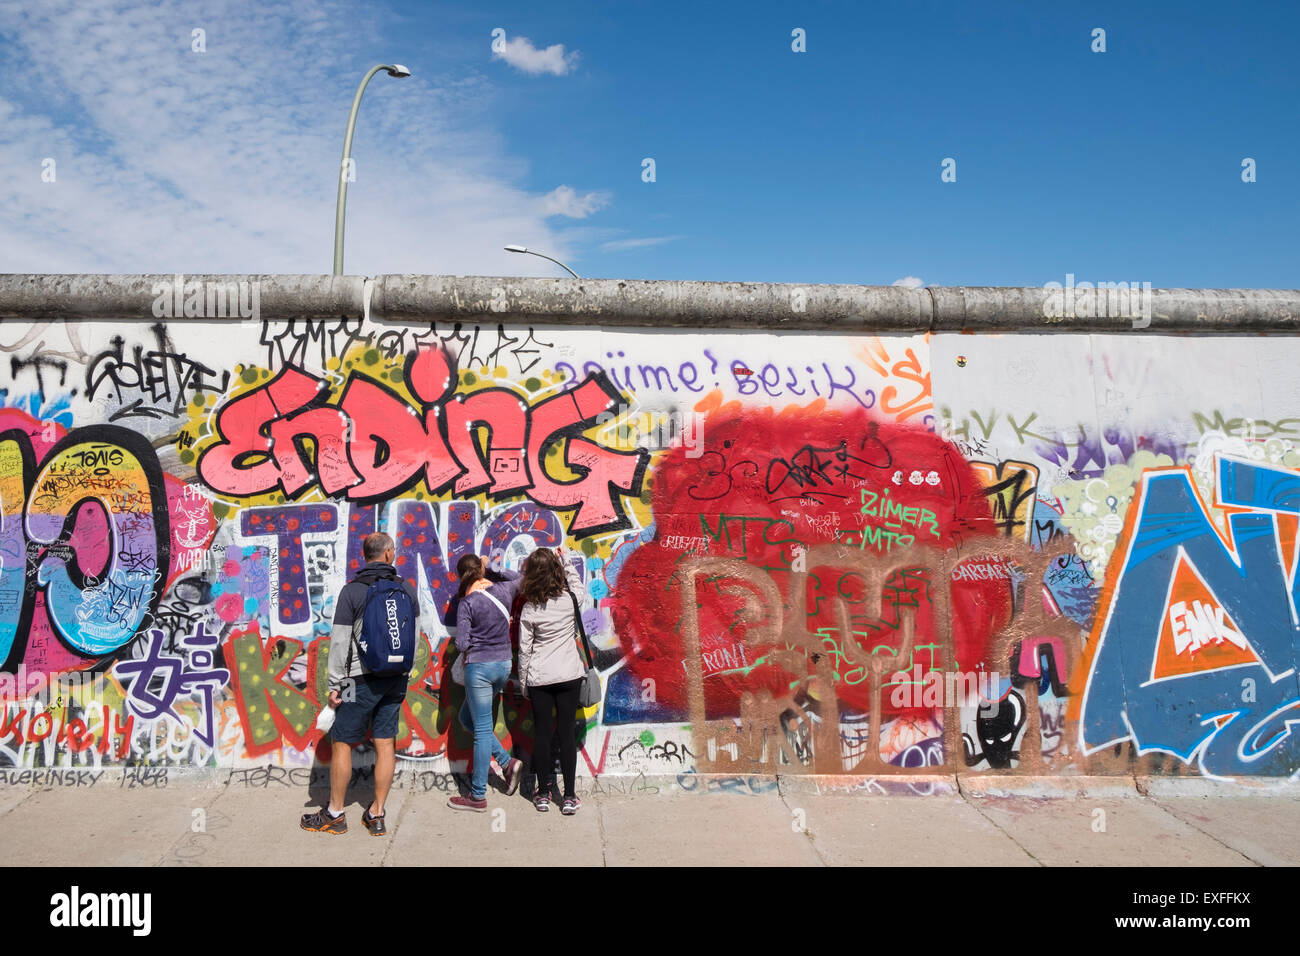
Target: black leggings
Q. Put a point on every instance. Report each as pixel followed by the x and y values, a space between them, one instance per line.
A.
pixel 564 698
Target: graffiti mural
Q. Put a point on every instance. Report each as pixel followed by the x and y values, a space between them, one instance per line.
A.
pixel 1196 654
pixel 800 553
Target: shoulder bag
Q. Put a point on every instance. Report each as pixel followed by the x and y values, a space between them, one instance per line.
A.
pixel 589 695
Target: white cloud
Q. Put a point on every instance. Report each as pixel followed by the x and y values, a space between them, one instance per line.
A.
pixel 522 55
pixel 564 201
pixel 228 160
pixel 909 282
pixel 619 245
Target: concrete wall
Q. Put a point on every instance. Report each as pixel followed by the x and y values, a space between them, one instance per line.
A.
pixel 799 548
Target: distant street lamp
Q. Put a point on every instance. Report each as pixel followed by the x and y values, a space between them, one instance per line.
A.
pixel 394 69
pixel 530 252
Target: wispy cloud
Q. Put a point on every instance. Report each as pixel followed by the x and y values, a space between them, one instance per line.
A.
pixel 909 282
pixel 564 201
pixel 520 53
pixel 619 245
pixel 168 160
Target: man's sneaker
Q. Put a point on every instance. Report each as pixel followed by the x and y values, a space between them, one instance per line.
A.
pixel 468 803
pixel 374 824
pixel 570 806
pixel 322 822
pixel 542 800
pixel 512 775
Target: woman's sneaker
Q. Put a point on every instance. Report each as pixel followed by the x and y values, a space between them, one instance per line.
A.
pixel 468 803
pixel 542 800
pixel 570 806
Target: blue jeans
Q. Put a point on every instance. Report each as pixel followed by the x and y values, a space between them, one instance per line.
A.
pixel 483 682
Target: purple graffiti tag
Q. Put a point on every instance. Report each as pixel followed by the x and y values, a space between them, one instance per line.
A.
pixel 176 680
pixel 287 525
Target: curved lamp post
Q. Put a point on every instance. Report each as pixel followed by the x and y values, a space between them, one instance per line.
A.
pixel 530 252
pixel 393 69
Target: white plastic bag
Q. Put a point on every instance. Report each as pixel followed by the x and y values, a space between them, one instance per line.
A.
pixel 326 719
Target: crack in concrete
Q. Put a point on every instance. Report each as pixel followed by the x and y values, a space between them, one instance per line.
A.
pixel 600 826
pixel 1226 846
pixel 27 796
pixel 170 847
pixel 997 826
pixel 807 830
pixel 391 836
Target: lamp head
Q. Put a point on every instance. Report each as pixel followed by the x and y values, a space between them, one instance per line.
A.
pixel 398 70
pixel 516 248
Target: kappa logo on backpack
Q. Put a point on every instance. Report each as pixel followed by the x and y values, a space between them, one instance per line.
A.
pixel 387 637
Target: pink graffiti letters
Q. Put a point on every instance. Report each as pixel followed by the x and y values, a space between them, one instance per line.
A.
pixel 371 445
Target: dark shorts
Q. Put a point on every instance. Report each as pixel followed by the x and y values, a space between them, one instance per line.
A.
pixel 377 708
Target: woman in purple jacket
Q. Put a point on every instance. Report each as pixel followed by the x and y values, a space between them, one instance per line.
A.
pixel 483 636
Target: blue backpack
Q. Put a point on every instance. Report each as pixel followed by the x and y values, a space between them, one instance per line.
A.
pixel 386 635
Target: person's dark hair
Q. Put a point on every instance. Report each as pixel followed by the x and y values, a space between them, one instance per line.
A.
pixel 374 546
pixel 543 577
pixel 470 569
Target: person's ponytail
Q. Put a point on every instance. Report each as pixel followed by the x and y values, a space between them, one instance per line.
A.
pixel 470 569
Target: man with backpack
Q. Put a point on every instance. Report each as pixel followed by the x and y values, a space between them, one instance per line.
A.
pixel 372 650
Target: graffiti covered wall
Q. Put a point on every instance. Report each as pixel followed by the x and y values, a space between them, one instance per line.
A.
pixel 802 553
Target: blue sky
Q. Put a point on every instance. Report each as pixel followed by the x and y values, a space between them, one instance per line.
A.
pixel 771 165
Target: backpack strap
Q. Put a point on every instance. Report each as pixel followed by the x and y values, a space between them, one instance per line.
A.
pixel 352 643
pixel 356 626
pixel 361 616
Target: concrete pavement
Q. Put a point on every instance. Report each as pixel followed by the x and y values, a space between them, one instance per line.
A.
pixel 243 817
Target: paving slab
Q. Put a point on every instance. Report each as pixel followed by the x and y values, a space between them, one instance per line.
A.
pixel 511 833
pixel 1265 831
pixel 143 819
pixel 259 827
pixel 97 827
pixel 702 829
pixel 10 797
pixel 1092 831
pixel 871 830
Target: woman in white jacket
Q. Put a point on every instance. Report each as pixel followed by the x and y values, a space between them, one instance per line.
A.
pixel 551 668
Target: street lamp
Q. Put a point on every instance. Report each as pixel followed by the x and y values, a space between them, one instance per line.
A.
pixel 393 69
pixel 530 252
